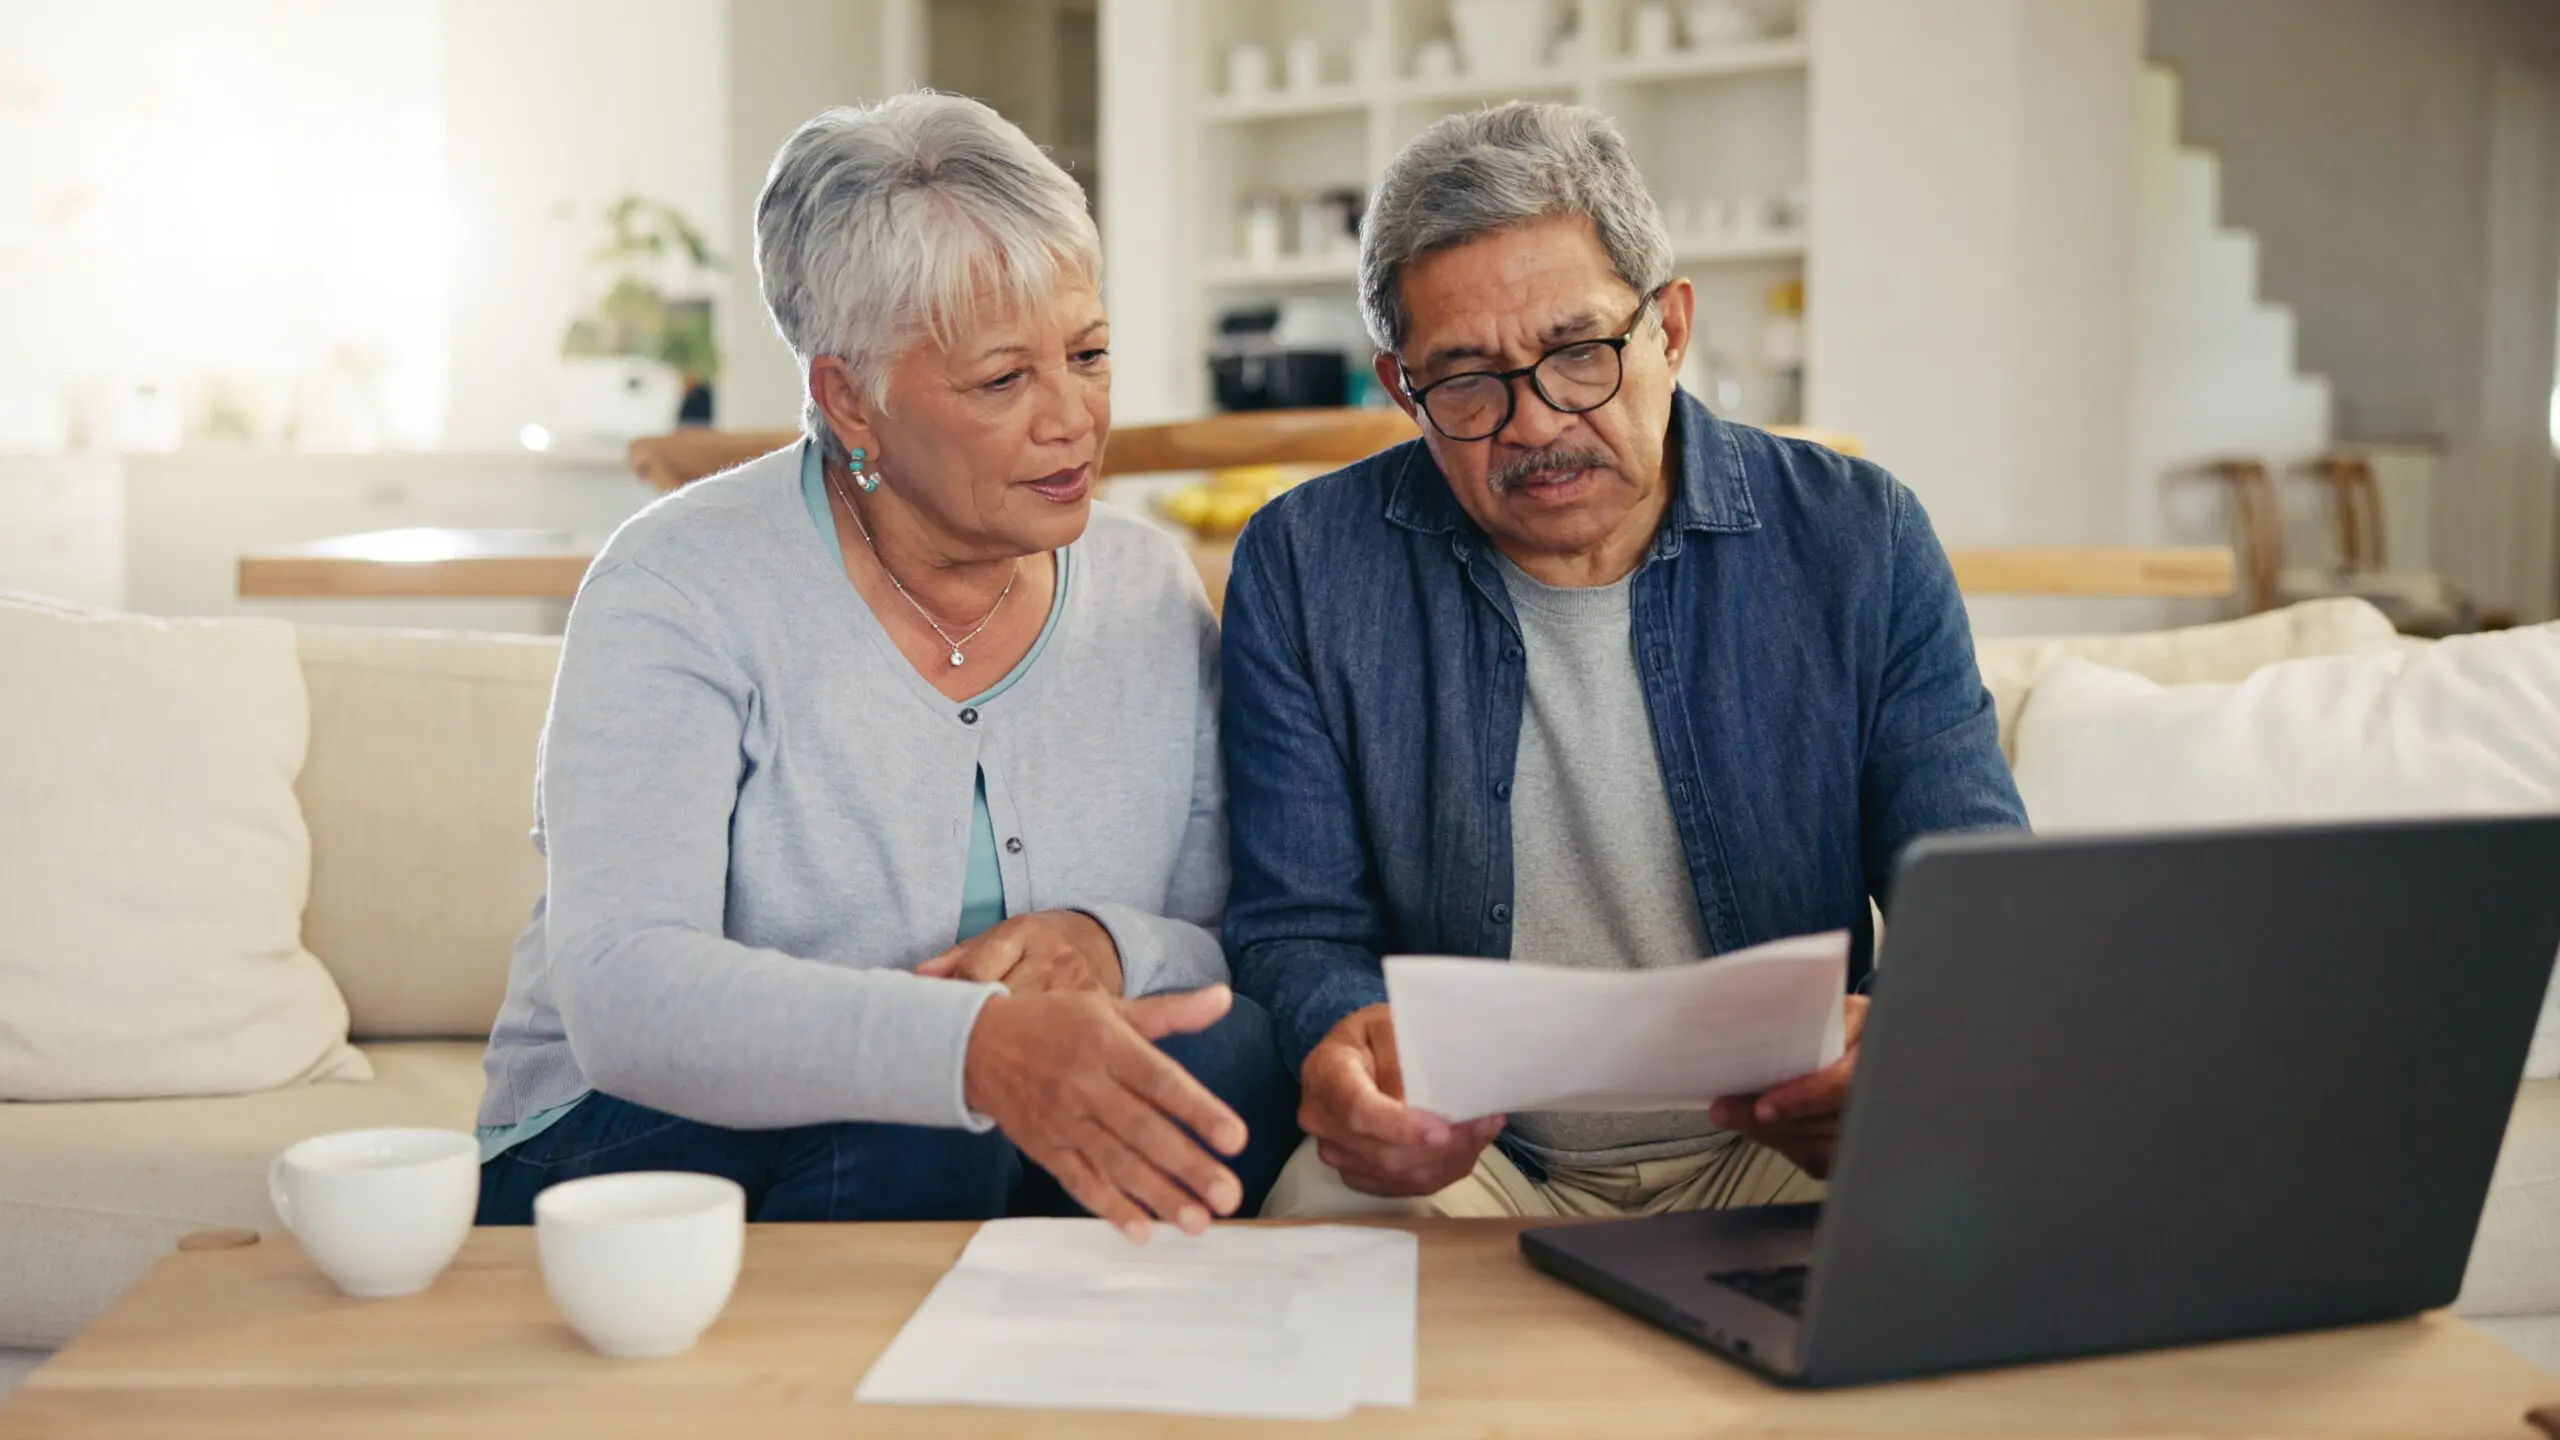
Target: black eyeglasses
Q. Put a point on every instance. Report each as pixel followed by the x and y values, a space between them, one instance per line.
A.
pixel 1583 375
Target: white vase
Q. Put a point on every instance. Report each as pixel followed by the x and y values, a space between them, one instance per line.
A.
pixel 1710 23
pixel 1248 72
pixel 1653 30
pixel 1501 37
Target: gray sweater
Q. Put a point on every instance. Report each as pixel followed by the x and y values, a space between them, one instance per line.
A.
pixel 757 818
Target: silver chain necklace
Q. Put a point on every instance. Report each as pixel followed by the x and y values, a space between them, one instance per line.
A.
pixel 957 659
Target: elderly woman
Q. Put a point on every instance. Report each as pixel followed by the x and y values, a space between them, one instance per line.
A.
pixel 880 789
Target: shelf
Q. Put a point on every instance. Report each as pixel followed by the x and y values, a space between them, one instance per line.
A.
pixel 1693 251
pixel 1748 58
pixel 1484 87
pixel 1286 104
pixel 1291 270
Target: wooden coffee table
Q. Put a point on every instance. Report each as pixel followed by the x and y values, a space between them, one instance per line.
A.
pixel 252 1342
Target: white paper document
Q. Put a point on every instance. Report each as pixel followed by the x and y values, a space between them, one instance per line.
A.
pixel 1487 1037
pixel 1297 1323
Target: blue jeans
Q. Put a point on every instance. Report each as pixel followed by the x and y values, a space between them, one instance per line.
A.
pixel 859 1171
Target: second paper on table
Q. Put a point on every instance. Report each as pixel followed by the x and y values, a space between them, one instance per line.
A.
pixel 1488 1037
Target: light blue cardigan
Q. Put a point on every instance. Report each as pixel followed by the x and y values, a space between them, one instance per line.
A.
pixel 757 818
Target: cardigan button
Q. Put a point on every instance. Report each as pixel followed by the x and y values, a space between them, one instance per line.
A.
pixel 1013 845
pixel 969 715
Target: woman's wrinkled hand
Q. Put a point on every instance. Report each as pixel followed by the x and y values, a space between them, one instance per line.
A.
pixel 1075 1081
pixel 1048 950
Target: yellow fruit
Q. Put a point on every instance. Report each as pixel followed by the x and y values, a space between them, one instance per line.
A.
pixel 1189 506
pixel 1258 480
pixel 1228 512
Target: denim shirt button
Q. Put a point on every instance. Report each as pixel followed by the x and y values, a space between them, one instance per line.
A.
pixel 1501 914
pixel 1512 655
pixel 1501 789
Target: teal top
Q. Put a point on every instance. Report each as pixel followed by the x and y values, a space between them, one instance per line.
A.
pixel 981 893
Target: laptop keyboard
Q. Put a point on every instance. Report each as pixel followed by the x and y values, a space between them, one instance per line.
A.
pixel 1780 1287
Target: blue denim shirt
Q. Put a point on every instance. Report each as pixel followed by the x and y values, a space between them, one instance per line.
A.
pixel 1805 658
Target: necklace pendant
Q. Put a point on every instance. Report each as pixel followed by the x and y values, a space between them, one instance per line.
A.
pixel 956 660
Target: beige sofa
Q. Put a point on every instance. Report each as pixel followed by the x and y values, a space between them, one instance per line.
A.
pixel 418 791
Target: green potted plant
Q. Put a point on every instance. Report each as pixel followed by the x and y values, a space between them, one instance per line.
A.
pixel 654 306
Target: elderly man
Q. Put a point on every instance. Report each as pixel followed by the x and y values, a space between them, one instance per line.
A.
pixel 1587 676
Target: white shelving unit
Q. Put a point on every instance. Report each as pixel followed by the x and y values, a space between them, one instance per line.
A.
pixel 1720 131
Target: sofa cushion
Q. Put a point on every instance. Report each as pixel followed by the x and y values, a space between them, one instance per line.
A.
pixel 2515 1260
pixel 153 861
pixel 92 1194
pixel 2230 650
pixel 419 794
pixel 2470 725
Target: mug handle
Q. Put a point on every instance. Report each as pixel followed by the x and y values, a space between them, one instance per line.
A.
pixel 275 1192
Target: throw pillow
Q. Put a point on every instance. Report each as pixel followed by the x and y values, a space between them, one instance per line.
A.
pixel 2467 726
pixel 153 862
pixel 2225 650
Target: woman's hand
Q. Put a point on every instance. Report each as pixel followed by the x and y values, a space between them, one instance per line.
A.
pixel 1048 950
pixel 1076 1083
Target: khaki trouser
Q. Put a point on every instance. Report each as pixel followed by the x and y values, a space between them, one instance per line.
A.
pixel 1730 1173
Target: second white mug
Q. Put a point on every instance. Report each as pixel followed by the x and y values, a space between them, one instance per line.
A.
pixel 641 1263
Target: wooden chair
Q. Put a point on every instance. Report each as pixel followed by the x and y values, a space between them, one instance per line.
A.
pixel 2418 603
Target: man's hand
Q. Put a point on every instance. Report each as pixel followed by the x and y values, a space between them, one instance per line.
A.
pixel 1028 954
pixel 1076 1083
pixel 1352 1102
pixel 1801 1119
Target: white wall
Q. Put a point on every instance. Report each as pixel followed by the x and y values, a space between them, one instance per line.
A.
pixel 553 108
pixel 2361 142
pixel 1970 291
pixel 243 188
pixel 788 60
pixel 250 188
pixel 1155 353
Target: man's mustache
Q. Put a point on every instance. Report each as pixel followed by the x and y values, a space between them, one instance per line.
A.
pixel 1552 461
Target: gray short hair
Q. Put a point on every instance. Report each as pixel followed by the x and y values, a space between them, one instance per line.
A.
pixel 880 224
pixel 1473 174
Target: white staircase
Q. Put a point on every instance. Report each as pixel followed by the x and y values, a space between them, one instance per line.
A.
pixel 2214 369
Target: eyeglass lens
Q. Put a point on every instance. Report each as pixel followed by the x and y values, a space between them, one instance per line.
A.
pixel 1573 379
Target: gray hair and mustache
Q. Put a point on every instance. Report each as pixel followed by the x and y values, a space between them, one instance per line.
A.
pixel 1509 474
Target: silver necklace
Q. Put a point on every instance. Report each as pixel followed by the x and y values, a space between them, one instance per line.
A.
pixel 957 659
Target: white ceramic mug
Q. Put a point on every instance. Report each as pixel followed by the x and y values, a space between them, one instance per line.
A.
pixel 1500 37
pixel 1248 71
pixel 1653 30
pixel 381 1212
pixel 642 1263
pixel 1305 64
pixel 1711 23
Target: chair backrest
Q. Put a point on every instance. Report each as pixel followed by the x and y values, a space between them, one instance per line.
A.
pixel 2258 514
pixel 1257 437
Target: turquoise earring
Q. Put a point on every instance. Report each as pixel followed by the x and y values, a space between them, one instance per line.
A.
pixel 853 462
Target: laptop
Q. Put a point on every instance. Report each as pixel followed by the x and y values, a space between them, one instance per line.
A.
pixel 2136 1091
